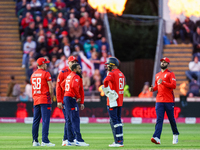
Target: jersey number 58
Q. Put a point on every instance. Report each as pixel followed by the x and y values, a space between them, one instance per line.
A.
pixel 36 83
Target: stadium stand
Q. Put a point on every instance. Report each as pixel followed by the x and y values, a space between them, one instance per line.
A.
pixel 10 47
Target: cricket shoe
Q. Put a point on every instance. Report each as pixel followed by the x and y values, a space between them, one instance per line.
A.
pixel 115 145
pixel 47 144
pixel 81 143
pixel 155 140
pixel 64 142
pixel 175 139
pixel 36 143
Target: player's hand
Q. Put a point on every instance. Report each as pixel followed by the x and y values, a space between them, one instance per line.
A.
pixel 60 105
pixel 78 100
pixel 82 106
pixel 159 81
pixel 151 88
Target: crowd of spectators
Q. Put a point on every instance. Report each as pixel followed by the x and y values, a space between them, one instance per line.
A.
pixel 190 30
pixel 56 29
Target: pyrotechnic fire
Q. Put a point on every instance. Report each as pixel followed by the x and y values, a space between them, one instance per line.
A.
pixel 115 6
pixel 185 7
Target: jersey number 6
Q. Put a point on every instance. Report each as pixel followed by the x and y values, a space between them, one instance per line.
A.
pixel 67 85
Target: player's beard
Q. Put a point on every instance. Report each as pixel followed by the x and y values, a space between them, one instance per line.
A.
pixel 163 67
pixel 80 75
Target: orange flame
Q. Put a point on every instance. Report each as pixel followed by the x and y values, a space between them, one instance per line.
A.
pixel 115 6
pixel 185 7
pixel 101 91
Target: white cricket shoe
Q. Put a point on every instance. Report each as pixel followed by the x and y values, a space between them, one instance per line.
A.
pixel 115 145
pixel 155 140
pixel 64 143
pixel 47 144
pixel 81 143
pixel 175 139
pixel 36 143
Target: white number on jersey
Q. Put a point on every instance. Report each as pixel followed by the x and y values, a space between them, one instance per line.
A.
pixel 121 83
pixel 36 83
pixel 67 85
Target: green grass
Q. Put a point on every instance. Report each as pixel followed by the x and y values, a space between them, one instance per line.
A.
pixel 99 136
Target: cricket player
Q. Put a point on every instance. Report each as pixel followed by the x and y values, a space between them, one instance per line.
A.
pixel 42 91
pixel 165 82
pixel 74 94
pixel 114 90
pixel 60 93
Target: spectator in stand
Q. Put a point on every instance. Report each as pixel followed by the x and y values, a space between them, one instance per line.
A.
pixel 29 45
pixel 32 67
pixel 10 86
pixel 20 7
pixel 95 60
pixel 178 30
pixel 103 41
pixel 103 60
pixel 41 43
pixel 36 6
pixel 43 52
pixel 49 19
pixel 76 43
pixel 30 30
pixel 98 18
pixel 83 3
pixel 71 20
pixel 193 89
pixel 196 41
pixel 82 12
pixel 53 66
pixel 50 28
pixel 52 42
pixel 40 27
pixel 55 52
pixel 75 31
pixel 51 5
pixel 86 81
pixel 25 21
pixel 28 89
pixel 95 78
pixel 188 28
pixel 88 32
pixel 28 9
pixel 60 5
pixel 46 9
pixel 194 70
pixel 60 28
pixel 84 19
pixel 63 63
pixel 99 33
pixel 88 47
pixel 38 20
pixel 66 47
pixel 104 49
pixel 145 91
pixel 60 18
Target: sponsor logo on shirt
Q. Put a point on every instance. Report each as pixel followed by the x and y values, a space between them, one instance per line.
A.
pixel 157 77
pixel 58 80
pixel 76 80
pixel 165 76
pixel 49 77
pixel 68 77
pixel 173 79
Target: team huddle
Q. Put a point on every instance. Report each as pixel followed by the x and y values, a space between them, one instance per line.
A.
pixel 69 92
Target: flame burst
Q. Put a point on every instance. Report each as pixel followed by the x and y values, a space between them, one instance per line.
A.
pixel 115 6
pixel 185 7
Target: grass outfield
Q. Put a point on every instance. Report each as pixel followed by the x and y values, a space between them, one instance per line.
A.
pixel 99 136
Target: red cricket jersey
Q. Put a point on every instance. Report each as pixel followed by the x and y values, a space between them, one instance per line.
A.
pixel 73 86
pixel 116 79
pixel 61 77
pixel 165 89
pixel 40 88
